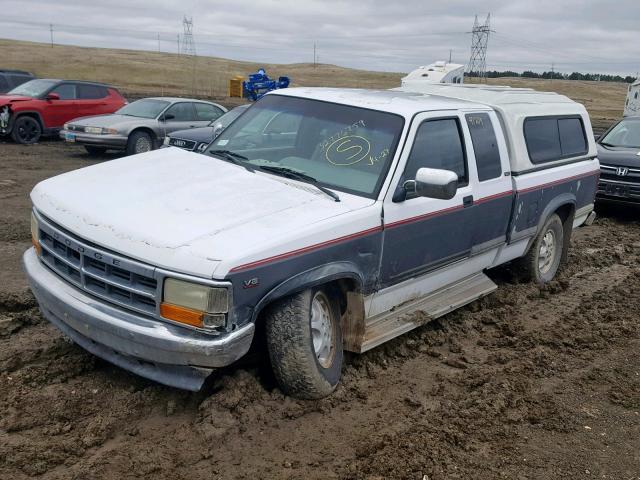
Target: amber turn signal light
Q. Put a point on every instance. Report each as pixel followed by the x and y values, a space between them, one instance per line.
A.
pixel 181 314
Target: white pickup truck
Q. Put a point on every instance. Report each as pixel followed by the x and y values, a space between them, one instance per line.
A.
pixel 335 219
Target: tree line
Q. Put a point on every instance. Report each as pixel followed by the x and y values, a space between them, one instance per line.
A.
pixel 557 75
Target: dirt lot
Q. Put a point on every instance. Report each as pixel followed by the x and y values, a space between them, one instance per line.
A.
pixel 527 383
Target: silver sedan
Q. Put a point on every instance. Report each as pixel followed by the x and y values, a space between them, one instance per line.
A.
pixel 141 125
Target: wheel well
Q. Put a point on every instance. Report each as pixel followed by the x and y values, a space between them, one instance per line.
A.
pixel 145 130
pixel 29 114
pixel 566 212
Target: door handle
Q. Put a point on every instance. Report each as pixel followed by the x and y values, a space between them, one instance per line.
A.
pixel 467 201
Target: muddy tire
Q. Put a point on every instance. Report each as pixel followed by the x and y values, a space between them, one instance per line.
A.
pixel 95 150
pixel 139 142
pixel 542 261
pixel 305 343
pixel 26 130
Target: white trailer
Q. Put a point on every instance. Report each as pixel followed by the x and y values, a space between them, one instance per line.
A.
pixel 632 104
pixel 438 72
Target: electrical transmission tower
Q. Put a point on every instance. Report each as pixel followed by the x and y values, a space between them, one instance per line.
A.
pixel 188 44
pixel 479 39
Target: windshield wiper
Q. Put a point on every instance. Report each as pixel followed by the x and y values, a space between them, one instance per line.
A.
pixel 233 157
pixel 303 177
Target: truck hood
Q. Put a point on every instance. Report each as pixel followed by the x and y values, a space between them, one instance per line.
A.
pixel 183 211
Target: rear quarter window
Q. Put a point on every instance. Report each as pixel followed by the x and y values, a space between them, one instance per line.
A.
pixel 554 138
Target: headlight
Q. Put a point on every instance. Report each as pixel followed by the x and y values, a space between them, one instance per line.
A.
pixel 95 130
pixel 65 126
pixel 194 304
pixel 166 141
pixel 35 233
pixel 109 131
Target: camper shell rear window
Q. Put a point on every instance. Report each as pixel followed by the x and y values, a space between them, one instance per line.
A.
pixel 552 138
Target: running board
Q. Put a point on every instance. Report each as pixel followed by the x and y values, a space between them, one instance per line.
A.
pixel 413 314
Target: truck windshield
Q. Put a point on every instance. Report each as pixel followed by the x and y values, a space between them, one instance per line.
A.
pixel 33 88
pixel 624 134
pixel 146 108
pixel 339 146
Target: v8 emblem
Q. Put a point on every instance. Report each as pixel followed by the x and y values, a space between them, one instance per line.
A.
pixel 251 283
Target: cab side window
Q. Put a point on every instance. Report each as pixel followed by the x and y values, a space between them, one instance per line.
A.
pixel 67 91
pixel 438 144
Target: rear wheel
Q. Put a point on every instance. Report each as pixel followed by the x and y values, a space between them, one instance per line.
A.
pixel 139 142
pixel 95 150
pixel 542 261
pixel 26 130
pixel 305 343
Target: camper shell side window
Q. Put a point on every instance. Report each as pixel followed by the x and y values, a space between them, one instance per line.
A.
pixel 552 138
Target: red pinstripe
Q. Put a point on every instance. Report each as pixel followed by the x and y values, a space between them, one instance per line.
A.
pixel 362 233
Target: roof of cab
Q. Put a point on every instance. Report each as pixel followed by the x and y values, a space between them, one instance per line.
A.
pixel 399 102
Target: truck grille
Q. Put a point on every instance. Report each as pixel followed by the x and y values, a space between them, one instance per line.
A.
pixel 97 271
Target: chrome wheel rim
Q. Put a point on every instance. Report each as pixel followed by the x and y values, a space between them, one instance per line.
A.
pixel 143 145
pixel 547 252
pixel 322 329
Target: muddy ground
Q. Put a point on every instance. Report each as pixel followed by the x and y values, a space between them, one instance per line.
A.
pixel 527 383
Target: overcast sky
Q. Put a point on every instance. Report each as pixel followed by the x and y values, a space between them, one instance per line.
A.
pixel 588 35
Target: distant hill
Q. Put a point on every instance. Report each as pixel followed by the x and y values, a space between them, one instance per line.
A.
pixel 138 73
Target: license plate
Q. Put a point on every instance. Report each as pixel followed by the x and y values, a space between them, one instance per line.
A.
pixel 618 190
pixel 70 137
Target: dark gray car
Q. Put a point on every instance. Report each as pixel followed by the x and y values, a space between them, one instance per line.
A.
pixel 141 125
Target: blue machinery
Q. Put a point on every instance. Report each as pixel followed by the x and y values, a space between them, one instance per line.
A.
pixel 259 84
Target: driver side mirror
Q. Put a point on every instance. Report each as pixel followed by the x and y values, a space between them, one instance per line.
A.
pixel 168 116
pixel 433 183
pixel 53 96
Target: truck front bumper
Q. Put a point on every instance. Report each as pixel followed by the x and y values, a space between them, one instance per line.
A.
pixel 168 354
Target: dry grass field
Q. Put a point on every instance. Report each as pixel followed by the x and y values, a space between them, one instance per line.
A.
pixel 149 73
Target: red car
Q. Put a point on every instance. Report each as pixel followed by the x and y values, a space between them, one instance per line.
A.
pixel 41 107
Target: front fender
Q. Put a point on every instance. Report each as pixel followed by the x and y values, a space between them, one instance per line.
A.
pixel 311 278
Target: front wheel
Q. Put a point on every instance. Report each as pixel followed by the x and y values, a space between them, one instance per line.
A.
pixel 139 142
pixel 304 339
pixel 26 130
pixel 542 261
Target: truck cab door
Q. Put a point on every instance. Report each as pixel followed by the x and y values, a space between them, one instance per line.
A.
pixel 422 235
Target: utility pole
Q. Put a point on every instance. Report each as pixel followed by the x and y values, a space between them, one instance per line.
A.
pixel 178 44
pixel 479 40
pixel 158 42
pixel 51 33
pixel 449 55
pixel 314 54
pixel 553 65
